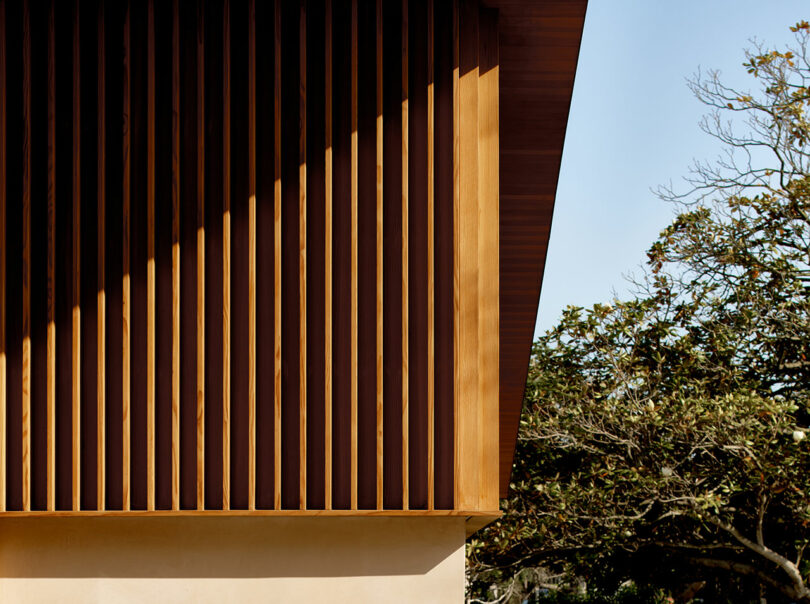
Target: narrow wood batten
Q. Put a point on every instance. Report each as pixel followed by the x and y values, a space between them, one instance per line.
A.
pixel 76 268
pixel 101 298
pixel 226 255
pixel 327 262
pixel 251 254
pixel 358 192
pixel 277 264
pixel 354 168
pixel 126 303
pixel 151 368
pixel 200 282
pixel 3 193
pixel 50 386
pixel 302 258
pixel 379 234
pixel 176 202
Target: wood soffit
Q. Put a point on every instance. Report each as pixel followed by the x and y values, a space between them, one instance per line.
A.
pixel 539 48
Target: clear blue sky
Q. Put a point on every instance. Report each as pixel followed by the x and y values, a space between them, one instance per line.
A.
pixel 634 125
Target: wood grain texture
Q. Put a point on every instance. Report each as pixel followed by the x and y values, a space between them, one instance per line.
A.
pixel 26 259
pixel 327 303
pixel 252 255
pixel 431 214
pixel 150 262
pixel 539 48
pixel 200 257
pixel 353 419
pixel 176 255
pixel 101 300
pixel 50 370
pixel 302 258
pixel 468 417
pixel 380 247
pixel 405 214
pixel 3 193
pixel 277 255
pixel 226 255
pixel 126 301
pixel 415 126
pixel 76 358
pixel 456 250
pixel 488 257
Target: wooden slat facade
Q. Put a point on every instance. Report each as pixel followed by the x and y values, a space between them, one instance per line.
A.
pixel 281 292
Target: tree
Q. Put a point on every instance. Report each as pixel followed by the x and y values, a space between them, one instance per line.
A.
pixel 664 438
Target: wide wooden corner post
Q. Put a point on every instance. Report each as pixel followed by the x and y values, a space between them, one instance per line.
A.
pixel 475 100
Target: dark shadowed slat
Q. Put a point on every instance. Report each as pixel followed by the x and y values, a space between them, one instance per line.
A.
pixel 226 255
pixel 443 192
pixel 252 255
pixel 126 296
pixel 302 258
pixel 327 304
pixel 353 419
pixel 50 385
pixel 101 302
pixel 26 261
pixel 76 314
pixel 176 255
pixel 201 257
pixel 3 392
pixel 405 212
pixel 150 262
pixel 379 246
pixel 277 255
pixel 431 91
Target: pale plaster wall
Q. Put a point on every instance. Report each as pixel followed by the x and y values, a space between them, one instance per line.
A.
pixel 232 559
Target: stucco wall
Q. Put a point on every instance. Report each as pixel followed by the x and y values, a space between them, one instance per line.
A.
pixel 239 560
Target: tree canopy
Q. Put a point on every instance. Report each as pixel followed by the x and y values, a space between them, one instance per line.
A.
pixel 664 439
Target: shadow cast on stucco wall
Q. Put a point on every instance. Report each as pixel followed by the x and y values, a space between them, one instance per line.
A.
pixel 225 547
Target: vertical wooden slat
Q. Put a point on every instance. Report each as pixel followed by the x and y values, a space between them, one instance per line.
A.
pixel 226 255
pixel 26 262
pixel 126 300
pixel 252 255
pixel 379 242
pixel 76 339
pixel 327 256
pixel 50 385
pixel 466 227
pixel 405 329
pixel 302 257
pixel 456 261
pixel 488 255
pixel 101 315
pixel 353 419
pixel 176 256
pixel 150 265
pixel 201 257
pixel 431 91
pixel 3 255
pixel 277 255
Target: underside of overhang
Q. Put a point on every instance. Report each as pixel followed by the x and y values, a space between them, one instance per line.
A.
pixel 539 48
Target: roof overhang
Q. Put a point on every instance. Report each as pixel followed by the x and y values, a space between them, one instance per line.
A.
pixel 539 48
